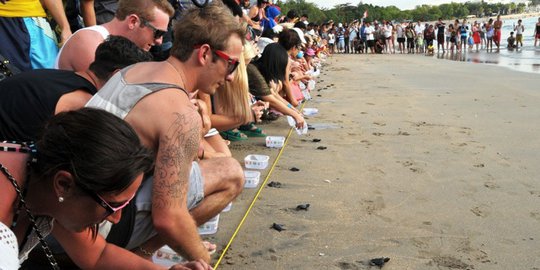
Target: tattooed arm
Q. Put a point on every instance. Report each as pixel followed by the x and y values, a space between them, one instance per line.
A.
pixel 179 138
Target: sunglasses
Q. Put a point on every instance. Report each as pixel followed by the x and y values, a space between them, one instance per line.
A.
pixel 232 63
pixel 110 209
pixel 157 32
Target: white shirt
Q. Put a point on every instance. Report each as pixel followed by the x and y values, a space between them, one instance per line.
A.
pixel 419 29
pixel 388 31
pixel 369 32
pixel 519 29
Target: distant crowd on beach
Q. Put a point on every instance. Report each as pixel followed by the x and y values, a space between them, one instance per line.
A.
pixel 410 37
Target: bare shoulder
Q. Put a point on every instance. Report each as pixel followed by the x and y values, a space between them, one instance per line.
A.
pixel 79 51
pixel 153 115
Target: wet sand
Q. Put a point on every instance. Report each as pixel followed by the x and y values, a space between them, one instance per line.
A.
pixel 431 163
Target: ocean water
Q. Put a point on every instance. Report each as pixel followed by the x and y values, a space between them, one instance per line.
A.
pixel 525 59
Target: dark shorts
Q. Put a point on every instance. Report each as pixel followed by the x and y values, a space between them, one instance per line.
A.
pixel 371 43
pixel 401 40
pixel 15 42
pixel 440 39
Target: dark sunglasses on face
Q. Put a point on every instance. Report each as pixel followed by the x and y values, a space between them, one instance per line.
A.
pixel 157 32
pixel 232 63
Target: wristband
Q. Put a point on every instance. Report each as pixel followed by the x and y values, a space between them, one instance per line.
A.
pixel 289 106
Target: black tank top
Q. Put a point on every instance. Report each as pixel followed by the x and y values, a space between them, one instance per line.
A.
pixel 29 99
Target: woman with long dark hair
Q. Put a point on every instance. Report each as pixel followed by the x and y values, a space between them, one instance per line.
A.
pixel 86 166
pixel 266 78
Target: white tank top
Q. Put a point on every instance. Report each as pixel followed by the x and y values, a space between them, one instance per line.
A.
pixel 97 28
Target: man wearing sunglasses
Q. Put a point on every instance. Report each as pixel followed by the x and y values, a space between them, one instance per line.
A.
pixel 144 22
pixel 154 98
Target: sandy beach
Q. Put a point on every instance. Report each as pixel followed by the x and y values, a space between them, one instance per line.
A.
pixel 431 163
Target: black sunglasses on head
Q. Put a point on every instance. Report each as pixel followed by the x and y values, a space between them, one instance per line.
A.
pixel 157 32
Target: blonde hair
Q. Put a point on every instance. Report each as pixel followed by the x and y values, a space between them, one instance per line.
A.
pixel 232 99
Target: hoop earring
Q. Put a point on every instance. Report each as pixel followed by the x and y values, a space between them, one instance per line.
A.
pixel 60 199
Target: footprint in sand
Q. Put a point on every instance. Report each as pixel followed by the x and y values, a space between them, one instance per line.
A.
pixel 416 170
pixel 535 215
pixel 403 133
pixel 479 211
pixel 491 185
pixel 366 142
pixel 406 163
pixel 450 262
pixel 379 124
pixel 373 206
pixel 378 133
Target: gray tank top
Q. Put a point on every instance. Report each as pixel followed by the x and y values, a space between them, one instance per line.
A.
pixel 119 97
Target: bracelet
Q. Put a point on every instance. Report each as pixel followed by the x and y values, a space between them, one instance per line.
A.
pixel 145 252
pixel 289 106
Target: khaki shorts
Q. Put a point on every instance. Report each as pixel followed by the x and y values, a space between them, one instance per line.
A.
pixel 144 228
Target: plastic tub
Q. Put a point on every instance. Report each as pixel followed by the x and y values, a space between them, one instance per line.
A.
pixel 310 111
pixel 227 208
pixel 259 162
pixel 252 179
pixel 165 256
pixel 210 227
pixel 275 141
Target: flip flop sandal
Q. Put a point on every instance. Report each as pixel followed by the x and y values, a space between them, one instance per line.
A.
pixel 251 130
pixel 233 136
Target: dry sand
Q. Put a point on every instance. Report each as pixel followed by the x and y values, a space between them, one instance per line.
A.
pixel 432 163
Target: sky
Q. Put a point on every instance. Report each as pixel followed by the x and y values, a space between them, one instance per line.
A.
pixel 401 4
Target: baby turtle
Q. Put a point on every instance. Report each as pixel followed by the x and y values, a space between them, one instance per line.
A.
pixel 304 206
pixel 274 184
pixel 278 227
pixel 294 169
pixel 379 261
pixel 321 148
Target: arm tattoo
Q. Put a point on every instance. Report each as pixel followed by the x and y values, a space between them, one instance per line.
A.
pixel 177 149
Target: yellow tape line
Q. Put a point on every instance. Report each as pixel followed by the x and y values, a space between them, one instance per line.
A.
pixel 256 195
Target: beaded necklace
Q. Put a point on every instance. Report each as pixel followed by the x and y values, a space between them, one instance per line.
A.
pixel 26 148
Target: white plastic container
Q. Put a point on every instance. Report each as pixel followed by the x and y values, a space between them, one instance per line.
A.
pixel 292 123
pixel 227 208
pixel 306 94
pixel 165 256
pixel 210 227
pixel 252 179
pixel 310 111
pixel 311 85
pixel 259 162
pixel 275 141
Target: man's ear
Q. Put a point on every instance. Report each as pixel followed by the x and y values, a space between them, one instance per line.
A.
pixel 203 54
pixel 133 21
pixel 63 183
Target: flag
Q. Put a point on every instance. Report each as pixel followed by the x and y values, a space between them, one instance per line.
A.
pixel 365 14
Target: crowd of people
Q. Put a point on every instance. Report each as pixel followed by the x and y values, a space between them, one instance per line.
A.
pixel 114 141
pixel 420 37
pixel 116 116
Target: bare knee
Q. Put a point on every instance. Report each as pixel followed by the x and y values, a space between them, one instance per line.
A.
pixel 235 176
pixel 222 174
